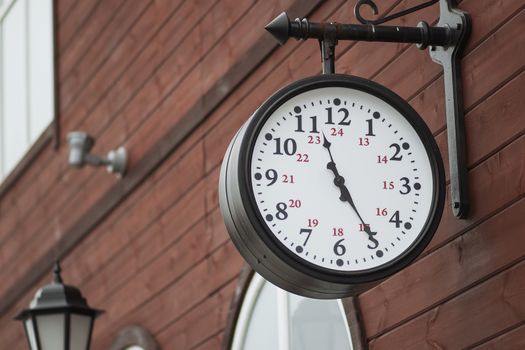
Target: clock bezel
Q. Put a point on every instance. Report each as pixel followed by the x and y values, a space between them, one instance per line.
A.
pixel 264 232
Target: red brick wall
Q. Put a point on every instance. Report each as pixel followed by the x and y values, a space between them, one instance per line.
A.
pixel 129 71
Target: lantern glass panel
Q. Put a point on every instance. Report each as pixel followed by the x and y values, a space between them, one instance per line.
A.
pixel 80 331
pixel 51 329
pixel 30 331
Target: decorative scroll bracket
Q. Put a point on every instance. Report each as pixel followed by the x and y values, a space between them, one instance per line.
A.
pixel 446 41
pixel 372 4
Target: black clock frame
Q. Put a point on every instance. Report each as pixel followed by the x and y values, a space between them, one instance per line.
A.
pixel 252 236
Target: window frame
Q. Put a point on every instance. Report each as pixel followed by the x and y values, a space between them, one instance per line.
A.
pixel 50 136
pixel 246 293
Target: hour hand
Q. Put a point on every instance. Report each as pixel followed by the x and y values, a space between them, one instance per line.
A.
pixel 327 144
pixel 331 166
pixel 339 181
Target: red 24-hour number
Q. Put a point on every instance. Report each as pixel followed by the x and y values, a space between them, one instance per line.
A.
pixel 288 179
pixel 302 158
pixel 337 231
pixel 313 222
pixel 362 227
pixel 364 141
pixel 336 131
pixel 388 185
pixel 382 159
pixel 294 203
pixel 314 140
pixel 381 212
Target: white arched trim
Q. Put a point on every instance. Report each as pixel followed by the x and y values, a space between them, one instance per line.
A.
pixel 250 298
pixel 283 318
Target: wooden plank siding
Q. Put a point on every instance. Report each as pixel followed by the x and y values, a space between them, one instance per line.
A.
pixel 490 306
pixel 509 339
pixel 129 72
pixel 78 201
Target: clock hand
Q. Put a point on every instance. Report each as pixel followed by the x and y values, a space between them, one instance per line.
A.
pixel 327 144
pixel 346 197
pixel 339 181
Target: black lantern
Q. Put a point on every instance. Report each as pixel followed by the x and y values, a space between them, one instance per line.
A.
pixel 58 317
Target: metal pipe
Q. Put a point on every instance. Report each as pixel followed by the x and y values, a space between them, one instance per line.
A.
pixel 434 36
pixel 424 35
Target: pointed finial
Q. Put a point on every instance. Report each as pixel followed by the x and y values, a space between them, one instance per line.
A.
pixel 56 272
pixel 279 28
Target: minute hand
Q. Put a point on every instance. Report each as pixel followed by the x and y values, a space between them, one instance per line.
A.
pixel 345 196
pixel 339 181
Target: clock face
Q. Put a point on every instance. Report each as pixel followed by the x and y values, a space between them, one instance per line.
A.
pixel 341 179
pixel 335 181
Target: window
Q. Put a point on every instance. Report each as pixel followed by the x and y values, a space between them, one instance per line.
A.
pixel 26 77
pixel 271 318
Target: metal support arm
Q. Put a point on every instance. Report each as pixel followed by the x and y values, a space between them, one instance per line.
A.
pixel 446 41
pixel 450 58
pixel 283 29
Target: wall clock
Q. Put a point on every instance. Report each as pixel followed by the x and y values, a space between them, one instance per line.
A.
pixel 334 182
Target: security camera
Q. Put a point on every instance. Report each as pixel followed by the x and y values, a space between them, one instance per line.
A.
pixel 80 143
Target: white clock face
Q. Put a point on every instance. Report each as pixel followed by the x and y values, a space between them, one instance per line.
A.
pixel 341 179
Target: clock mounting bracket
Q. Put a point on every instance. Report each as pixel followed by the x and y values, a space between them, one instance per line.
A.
pixel 445 41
